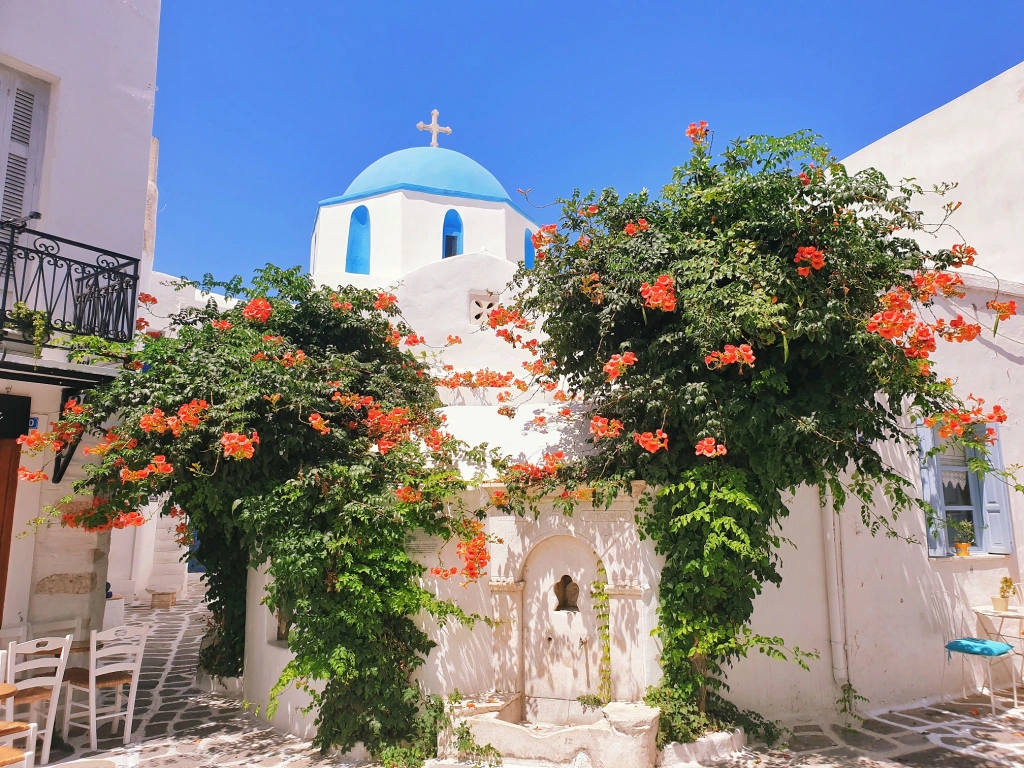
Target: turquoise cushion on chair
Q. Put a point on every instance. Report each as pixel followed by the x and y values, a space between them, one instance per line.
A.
pixel 977 647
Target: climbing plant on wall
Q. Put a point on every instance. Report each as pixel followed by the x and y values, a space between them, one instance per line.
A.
pixel 766 323
pixel 295 431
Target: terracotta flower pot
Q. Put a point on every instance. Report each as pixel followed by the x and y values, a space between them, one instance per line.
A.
pixel 963 548
pixel 1001 603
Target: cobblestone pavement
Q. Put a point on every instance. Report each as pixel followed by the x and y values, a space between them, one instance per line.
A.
pixel 178 726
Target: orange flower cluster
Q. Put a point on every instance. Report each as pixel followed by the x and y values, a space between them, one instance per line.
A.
pixel 408 494
pixel 601 427
pixel 741 355
pixel 525 471
pixel 953 421
pixel 958 329
pixel 641 226
pixel 540 367
pixel 544 237
pixel 337 303
pixel 507 411
pixel 386 428
pixel 651 442
pixel 482 378
pixel 590 210
pixel 540 421
pixel 935 283
pixel 697 132
pixel 444 573
pixel 352 401
pixel 412 340
pixel 221 325
pixel 290 360
pixel 592 287
pixel 580 494
pixel 454 339
pixel 617 365
pixel 32 477
pixel 436 440
pixel 709 447
pixel 385 301
pixel 319 423
pixel 258 309
pixel 810 254
pixel 141 324
pixel 111 441
pixel 499 499
pixel 238 446
pixel 122 520
pixel 583 242
pixel 661 295
pixel 1003 309
pixel 473 552
pixel 500 316
pixel 158 466
pixel 963 254
pixel 190 415
pixel 147 299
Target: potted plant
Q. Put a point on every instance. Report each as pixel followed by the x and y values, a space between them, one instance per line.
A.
pixel 32 324
pixel 962 533
pixel 1002 603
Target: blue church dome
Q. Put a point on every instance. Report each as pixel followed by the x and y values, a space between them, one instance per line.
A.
pixel 433 170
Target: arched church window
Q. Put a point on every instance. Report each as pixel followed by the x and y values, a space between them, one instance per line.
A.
pixel 529 253
pixel 452 234
pixel 357 258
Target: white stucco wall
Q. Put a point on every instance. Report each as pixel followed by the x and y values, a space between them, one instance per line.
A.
pixel 406 234
pixel 893 631
pixel 100 61
pixel 975 141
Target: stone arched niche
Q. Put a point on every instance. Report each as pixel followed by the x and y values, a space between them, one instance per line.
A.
pixel 560 641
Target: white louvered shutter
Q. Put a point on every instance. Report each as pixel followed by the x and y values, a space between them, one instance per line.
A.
pixel 23 103
pixel 931 492
pixel 995 502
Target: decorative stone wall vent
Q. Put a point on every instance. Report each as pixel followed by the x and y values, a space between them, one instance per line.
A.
pixel 480 304
pixel 568 592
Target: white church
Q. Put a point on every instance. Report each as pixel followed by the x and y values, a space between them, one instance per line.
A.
pixel 441 230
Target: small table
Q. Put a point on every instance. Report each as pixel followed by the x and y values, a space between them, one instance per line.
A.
pixel 1015 613
pixel 7 690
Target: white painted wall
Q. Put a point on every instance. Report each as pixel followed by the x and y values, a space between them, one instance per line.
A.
pixel 406 234
pixel 99 61
pixel 893 632
pixel 974 140
pixel 99 58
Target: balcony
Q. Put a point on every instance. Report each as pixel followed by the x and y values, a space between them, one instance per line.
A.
pixel 82 290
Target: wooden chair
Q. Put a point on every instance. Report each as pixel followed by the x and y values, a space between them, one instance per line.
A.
pixel 36 669
pixel 10 731
pixel 115 658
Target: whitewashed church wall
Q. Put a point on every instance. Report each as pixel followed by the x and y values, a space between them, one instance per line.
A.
pixel 973 140
pixel 483 227
pixel 892 631
pixel 515 233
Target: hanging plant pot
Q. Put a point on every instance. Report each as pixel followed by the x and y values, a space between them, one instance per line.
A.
pixel 963 548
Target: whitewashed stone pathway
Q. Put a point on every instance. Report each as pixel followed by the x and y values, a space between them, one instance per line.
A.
pixel 178 726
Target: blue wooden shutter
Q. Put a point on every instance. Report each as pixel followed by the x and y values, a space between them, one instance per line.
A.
pixel 995 502
pixel 931 492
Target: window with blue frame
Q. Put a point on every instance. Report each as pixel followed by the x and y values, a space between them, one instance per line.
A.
pixel 529 253
pixel 452 234
pixel 357 257
pixel 958 494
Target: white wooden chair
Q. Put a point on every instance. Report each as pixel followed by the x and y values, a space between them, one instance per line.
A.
pixel 57 628
pixel 11 731
pixel 955 639
pixel 115 658
pixel 36 669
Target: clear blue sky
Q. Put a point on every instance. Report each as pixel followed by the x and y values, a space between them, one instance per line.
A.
pixel 264 108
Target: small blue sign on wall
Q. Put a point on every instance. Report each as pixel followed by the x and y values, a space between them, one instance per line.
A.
pixel 33 422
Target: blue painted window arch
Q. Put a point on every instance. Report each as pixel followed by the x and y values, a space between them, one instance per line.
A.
pixel 451 239
pixel 529 252
pixel 357 257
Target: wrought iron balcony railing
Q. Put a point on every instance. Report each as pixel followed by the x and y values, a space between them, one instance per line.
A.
pixel 83 290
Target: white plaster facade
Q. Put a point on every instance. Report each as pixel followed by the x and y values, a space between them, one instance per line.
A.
pixel 91 68
pixel 864 603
